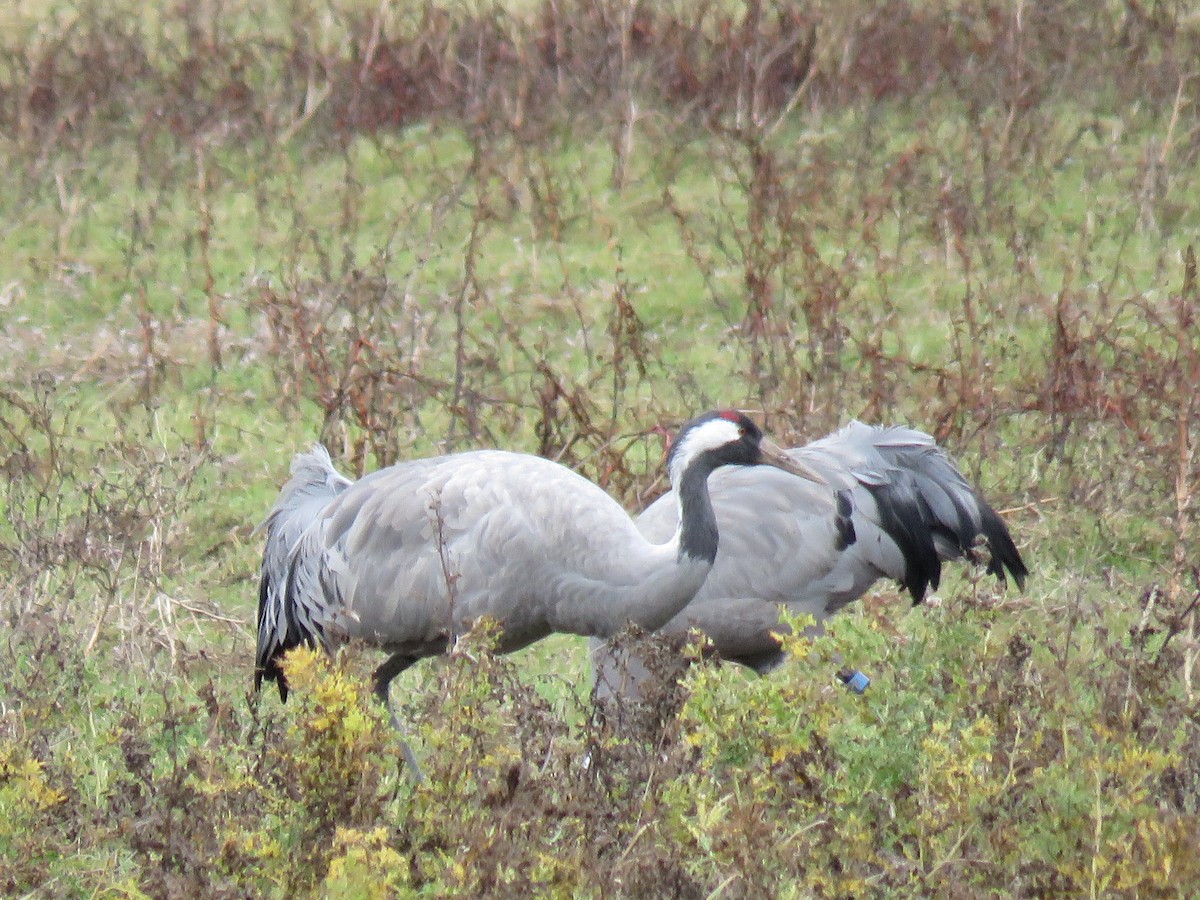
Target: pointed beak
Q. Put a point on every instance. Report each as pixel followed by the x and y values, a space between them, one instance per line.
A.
pixel 774 455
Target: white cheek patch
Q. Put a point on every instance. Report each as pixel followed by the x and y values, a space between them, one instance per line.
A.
pixel 708 436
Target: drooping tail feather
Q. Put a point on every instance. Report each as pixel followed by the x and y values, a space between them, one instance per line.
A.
pixel 1004 552
pixel 906 518
pixel 313 484
pixel 932 512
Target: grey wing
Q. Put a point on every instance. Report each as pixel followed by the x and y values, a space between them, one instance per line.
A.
pixel 313 484
pixel 370 566
pixel 411 555
pixel 332 544
pixel 912 507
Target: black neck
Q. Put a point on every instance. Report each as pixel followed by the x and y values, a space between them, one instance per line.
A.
pixel 697 522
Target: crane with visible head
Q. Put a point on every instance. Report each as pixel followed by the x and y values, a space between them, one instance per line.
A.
pixel 408 557
pixel 899 507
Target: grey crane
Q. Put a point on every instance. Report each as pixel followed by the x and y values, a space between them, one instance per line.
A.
pixel 899 507
pixel 409 556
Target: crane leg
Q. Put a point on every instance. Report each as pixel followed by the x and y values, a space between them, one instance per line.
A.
pixel 393 666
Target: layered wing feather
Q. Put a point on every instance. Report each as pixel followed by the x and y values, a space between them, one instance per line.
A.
pixel 313 484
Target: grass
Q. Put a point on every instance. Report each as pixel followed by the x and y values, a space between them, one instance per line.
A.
pixel 985 233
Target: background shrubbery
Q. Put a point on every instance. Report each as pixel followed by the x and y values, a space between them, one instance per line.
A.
pixel 553 227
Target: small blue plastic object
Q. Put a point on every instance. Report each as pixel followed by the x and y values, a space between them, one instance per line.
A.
pixel 855 680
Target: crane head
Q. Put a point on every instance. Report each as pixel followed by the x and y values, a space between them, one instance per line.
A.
pixel 728 437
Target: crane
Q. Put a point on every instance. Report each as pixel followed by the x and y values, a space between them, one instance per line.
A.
pixel 408 557
pixel 899 507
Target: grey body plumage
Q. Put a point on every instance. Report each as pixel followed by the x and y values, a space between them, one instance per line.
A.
pixel 410 556
pixel 899 508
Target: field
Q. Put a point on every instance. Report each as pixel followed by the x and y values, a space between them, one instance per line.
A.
pixel 408 229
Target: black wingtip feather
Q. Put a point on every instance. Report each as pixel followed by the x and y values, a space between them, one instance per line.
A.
pixel 267 666
pixel 904 515
pixel 844 521
pixel 271 672
pixel 1005 554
